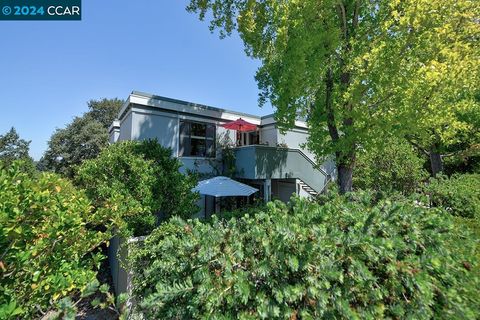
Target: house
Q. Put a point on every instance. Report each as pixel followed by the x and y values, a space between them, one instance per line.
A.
pixel 276 163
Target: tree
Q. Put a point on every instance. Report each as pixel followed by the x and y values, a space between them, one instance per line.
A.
pixel 82 139
pixel 356 68
pixel 12 148
pixel 396 167
pixel 456 139
pixel 105 110
pixel 142 181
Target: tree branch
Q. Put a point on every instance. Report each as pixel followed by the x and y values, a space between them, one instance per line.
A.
pixel 343 17
pixel 388 96
pixel 416 145
pixel 332 128
pixel 355 14
pixel 464 153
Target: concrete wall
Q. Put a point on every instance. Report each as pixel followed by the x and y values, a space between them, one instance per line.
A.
pixel 268 135
pixel 264 162
pixel 296 139
pixel 283 189
pixel 118 251
pixel 126 128
pixel 163 127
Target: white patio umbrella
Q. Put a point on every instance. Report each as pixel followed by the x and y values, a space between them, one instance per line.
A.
pixel 224 187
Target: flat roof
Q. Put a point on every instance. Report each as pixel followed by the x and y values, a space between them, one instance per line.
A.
pixel 149 96
pixel 193 104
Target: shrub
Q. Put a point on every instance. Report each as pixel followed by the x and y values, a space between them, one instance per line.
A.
pixel 459 194
pixel 343 260
pixel 393 168
pixel 140 180
pixel 46 250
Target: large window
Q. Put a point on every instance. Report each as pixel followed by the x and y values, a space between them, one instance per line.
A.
pixel 197 139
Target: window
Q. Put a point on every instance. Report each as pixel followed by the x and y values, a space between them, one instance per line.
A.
pixel 247 138
pixel 197 139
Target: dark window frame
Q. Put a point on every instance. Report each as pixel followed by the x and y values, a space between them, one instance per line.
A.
pixel 209 140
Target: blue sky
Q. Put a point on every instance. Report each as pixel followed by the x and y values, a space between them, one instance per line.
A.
pixel 50 69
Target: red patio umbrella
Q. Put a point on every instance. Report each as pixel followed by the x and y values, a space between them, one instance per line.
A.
pixel 240 125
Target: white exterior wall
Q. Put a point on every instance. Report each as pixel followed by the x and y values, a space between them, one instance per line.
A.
pixel 295 139
pixel 268 136
pixel 164 127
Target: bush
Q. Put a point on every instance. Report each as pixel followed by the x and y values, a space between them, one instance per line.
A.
pixel 140 180
pixel 459 194
pixel 393 168
pixel 47 250
pixel 343 260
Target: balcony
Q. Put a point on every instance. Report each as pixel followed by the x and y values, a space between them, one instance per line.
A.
pixel 264 162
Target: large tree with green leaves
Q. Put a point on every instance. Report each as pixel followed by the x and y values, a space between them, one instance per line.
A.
pixel 12 148
pixel 455 138
pixel 82 139
pixel 356 69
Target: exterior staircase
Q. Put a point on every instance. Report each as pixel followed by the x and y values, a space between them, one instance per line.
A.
pixel 265 162
pixel 307 188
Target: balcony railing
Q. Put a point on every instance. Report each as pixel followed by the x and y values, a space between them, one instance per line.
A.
pixel 264 162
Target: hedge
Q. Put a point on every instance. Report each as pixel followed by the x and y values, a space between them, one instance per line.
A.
pixel 346 259
pixel 47 250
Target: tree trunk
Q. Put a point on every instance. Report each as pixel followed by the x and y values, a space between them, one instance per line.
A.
pixel 345 159
pixel 436 163
pixel 345 174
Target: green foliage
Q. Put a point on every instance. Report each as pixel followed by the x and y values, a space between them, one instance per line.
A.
pixel 469 163
pixel 395 167
pixel 66 309
pixel 104 298
pixel 463 154
pixel 13 148
pixel 357 69
pixel 173 188
pixel 473 225
pixel 228 160
pixel 47 250
pixel 224 163
pixel 459 194
pixel 346 259
pixel 138 181
pixel 104 110
pixel 81 139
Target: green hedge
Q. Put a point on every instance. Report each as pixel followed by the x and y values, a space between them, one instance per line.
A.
pixel 395 167
pixel 346 259
pixel 139 180
pixel 459 194
pixel 47 250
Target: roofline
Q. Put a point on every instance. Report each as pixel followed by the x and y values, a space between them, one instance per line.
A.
pixel 187 103
pixel 128 104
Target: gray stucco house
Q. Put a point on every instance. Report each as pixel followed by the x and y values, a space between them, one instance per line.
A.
pixel 275 163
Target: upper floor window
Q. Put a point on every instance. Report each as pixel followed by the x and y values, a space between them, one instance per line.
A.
pixel 197 139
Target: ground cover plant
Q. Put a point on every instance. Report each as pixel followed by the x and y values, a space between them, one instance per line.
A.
pixel 348 258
